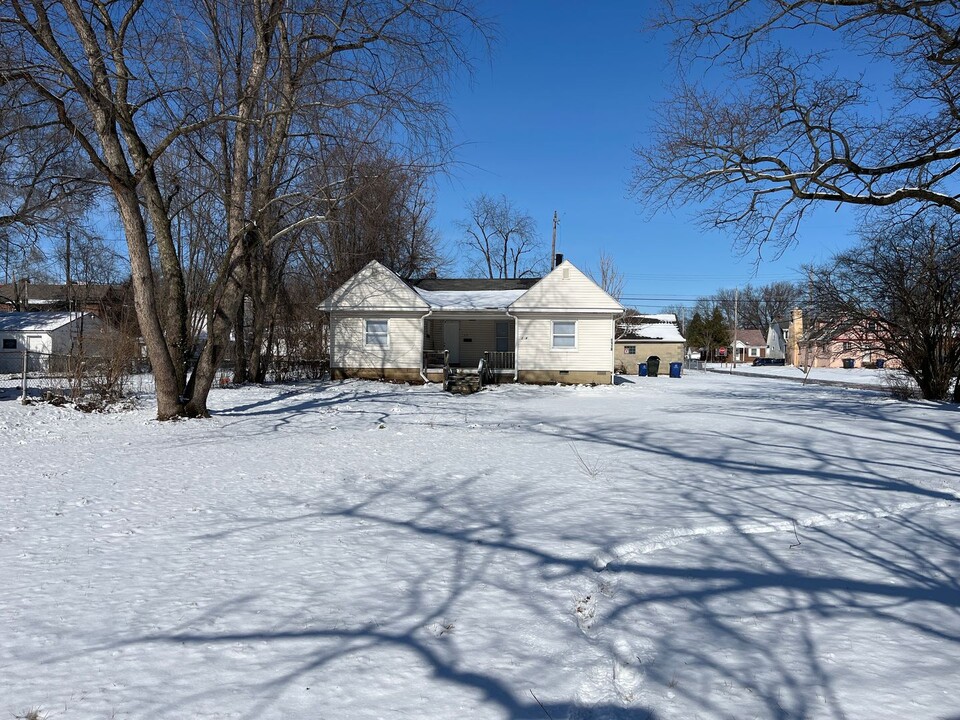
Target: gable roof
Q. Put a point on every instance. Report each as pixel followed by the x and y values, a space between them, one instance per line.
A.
pixel 375 288
pixel 37 321
pixel 751 337
pixel 663 331
pixel 567 288
pixel 47 294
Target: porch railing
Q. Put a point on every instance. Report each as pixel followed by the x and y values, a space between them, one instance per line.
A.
pixel 499 360
pixel 435 359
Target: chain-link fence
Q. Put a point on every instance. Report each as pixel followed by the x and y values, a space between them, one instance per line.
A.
pixel 37 375
pixel 34 375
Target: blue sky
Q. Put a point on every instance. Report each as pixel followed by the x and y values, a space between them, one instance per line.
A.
pixel 550 121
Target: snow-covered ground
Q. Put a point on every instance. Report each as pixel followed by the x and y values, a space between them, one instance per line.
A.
pixel 710 547
pixel 854 376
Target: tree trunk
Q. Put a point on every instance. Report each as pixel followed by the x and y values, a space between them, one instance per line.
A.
pixel 240 368
pixel 145 301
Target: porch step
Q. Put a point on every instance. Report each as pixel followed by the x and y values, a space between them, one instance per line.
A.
pixel 463 382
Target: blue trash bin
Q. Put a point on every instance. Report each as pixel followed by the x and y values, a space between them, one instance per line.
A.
pixel 642 369
pixel 880 363
pixel 675 368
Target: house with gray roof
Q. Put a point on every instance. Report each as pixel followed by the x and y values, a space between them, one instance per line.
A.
pixel 559 328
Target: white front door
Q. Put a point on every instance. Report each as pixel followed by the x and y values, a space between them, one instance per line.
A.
pixel 451 340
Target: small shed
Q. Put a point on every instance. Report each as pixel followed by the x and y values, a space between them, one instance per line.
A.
pixel 44 335
pixel 643 336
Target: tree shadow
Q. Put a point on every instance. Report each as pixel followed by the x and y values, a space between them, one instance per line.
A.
pixel 774 563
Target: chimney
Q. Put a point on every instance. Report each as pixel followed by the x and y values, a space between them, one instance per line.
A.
pixel 558 259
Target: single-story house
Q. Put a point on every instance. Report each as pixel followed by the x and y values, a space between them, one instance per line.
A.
pixel 44 335
pixel 646 335
pixel 559 328
pixel 751 344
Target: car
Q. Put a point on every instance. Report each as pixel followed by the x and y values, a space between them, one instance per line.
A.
pixel 768 361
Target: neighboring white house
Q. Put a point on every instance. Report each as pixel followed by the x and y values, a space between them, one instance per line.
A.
pixel 559 328
pixel 43 334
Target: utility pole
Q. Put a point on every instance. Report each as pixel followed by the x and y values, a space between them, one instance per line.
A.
pixel 736 322
pixel 553 245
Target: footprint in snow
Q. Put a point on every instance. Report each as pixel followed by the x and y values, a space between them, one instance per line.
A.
pixel 628 669
pixel 585 611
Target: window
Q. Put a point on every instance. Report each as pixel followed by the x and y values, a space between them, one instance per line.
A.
pixel 9 344
pixel 503 342
pixel 376 333
pixel 564 334
pixel 629 349
pixel 754 352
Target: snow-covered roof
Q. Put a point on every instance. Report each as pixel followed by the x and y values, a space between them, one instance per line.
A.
pixel 660 318
pixel 469 299
pixel 665 331
pixel 35 321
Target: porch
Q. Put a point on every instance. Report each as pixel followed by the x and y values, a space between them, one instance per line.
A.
pixel 465 342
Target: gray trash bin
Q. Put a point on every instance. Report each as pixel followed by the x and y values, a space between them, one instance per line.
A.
pixel 653 365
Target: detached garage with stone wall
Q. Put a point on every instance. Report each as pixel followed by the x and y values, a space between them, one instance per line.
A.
pixel 643 336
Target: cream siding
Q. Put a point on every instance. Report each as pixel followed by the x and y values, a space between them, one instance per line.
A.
pixel 347 335
pixel 566 288
pixel 594 351
pixel 375 288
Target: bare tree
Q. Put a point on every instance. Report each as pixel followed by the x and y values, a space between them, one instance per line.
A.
pixel 759 306
pixel 45 183
pixel 500 240
pixel 778 131
pixel 608 276
pixel 363 74
pixel 898 292
pixel 131 83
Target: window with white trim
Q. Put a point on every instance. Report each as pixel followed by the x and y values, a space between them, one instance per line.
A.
pixel 376 333
pixel 564 334
pixel 629 349
pixel 754 352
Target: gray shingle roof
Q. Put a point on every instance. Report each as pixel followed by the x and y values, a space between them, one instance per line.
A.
pixel 473 284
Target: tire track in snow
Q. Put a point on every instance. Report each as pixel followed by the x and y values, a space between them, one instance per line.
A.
pixel 681 536
pixel 622 675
